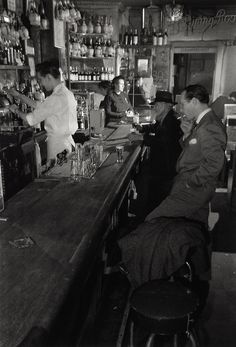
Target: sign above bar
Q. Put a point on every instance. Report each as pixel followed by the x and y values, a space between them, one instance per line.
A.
pixel 202 21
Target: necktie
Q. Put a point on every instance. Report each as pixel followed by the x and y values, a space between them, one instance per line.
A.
pixel 193 126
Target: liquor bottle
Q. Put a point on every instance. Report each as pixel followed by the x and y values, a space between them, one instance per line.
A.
pixel 126 38
pixel 131 37
pixel 165 39
pixel 5 55
pixel 110 49
pixel 1 53
pixel 79 75
pixel 78 14
pixel 106 74
pixel 76 73
pixel 90 26
pixel 154 37
pixel 112 75
pixel 98 48
pixel 144 36
pixel 34 17
pixel 160 39
pixel 44 19
pixel 98 28
pixel 39 94
pixel 66 11
pixel 73 13
pixel 102 74
pixel 135 37
pixel 104 47
pixel 85 75
pixel 90 48
pixel 83 27
pixel 83 48
pixel 110 26
pixel 105 28
pixel 98 76
pixel 89 77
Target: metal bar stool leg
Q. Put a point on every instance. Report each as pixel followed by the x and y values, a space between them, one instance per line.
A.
pixel 192 339
pixel 131 334
pixel 175 340
pixel 150 340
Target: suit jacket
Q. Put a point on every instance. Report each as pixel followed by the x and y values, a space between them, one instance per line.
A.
pixel 157 249
pixel 198 167
pixel 163 139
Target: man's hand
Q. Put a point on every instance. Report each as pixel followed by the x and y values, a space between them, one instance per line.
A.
pixel 13 92
pixel 14 108
pixel 129 113
pixel 186 126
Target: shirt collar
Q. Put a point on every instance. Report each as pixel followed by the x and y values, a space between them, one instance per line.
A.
pixel 202 114
pixel 57 87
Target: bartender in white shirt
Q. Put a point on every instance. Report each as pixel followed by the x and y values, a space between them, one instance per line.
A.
pixel 58 111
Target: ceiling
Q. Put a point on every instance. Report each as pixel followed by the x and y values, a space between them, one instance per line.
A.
pixel 189 3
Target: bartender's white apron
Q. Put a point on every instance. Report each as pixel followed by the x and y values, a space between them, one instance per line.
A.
pixel 57 144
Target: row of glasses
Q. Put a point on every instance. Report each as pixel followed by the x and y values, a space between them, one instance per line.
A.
pixel 85 160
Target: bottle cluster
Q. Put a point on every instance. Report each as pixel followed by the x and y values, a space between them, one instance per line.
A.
pixel 12 34
pixel 132 37
pixel 37 15
pixel 82 112
pixel 93 25
pixel 91 47
pixel 86 24
pixel 66 11
pixel 105 74
pixel 10 121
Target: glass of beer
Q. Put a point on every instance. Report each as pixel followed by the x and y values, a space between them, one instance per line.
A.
pixel 120 154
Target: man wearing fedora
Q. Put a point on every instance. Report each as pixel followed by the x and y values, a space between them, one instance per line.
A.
pixel 163 139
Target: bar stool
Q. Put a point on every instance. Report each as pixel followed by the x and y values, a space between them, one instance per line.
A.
pixel 163 307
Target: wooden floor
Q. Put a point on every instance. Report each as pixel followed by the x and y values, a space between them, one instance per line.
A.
pixel 219 317
pixel 218 323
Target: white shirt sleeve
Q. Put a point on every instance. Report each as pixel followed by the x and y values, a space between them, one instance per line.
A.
pixel 49 106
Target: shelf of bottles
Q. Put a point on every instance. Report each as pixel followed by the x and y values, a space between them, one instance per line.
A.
pixel 12 36
pixel 91 76
pixel 146 37
pixel 10 121
pixel 90 47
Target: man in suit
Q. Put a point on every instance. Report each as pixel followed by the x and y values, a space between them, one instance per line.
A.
pixel 162 137
pixel 200 161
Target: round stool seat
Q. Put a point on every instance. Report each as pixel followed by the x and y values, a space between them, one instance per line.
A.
pixel 163 307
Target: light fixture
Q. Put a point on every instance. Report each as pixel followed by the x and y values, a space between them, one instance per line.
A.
pixel 173 12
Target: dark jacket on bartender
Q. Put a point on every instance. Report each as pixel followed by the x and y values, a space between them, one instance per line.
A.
pixel 117 101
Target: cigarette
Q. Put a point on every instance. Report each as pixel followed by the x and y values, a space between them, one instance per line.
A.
pixel 2 219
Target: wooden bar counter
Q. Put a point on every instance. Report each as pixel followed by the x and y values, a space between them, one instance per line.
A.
pixel 45 285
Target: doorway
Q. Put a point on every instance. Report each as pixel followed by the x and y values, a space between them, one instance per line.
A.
pixel 193 68
pixel 196 62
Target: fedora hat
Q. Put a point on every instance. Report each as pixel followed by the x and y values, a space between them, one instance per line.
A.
pixel 163 96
